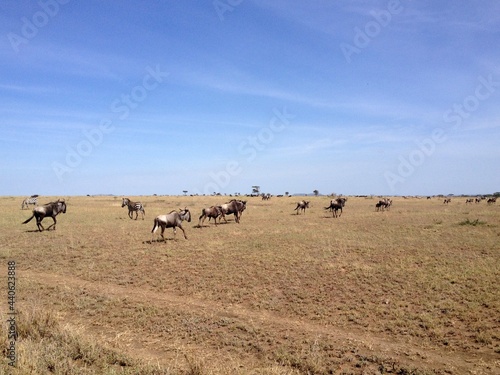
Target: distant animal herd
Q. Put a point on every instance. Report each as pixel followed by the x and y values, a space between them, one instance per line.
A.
pixel 175 218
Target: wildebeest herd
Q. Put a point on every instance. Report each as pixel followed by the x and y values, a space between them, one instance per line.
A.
pixel 175 218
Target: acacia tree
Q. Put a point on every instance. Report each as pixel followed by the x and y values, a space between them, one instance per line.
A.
pixel 316 192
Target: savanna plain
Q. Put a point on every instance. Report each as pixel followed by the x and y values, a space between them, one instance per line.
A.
pixel 411 290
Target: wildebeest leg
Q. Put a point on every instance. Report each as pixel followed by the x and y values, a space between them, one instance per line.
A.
pixel 53 224
pixel 39 224
pixel 163 226
pixel 183 231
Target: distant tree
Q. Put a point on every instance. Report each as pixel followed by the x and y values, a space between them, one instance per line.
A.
pixel 185 192
pixel 287 193
pixel 256 189
pixel 316 193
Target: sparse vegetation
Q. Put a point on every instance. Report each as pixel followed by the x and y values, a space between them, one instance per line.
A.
pixel 471 222
pixel 409 292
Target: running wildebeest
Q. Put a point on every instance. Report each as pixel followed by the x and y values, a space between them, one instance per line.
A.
pixel 210 212
pixel 133 207
pixel 301 206
pixel 235 207
pixel 51 209
pixel 334 207
pixel 172 220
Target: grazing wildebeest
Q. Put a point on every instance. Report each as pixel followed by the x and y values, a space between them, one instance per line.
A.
pixel 210 212
pixel 467 201
pixel 133 207
pixel 492 200
pixel 51 209
pixel 235 207
pixel 266 197
pixel 301 206
pixel 172 220
pixel 447 200
pixel 334 207
pixel 30 200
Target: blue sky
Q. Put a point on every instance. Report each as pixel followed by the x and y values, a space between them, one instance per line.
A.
pixel 156 97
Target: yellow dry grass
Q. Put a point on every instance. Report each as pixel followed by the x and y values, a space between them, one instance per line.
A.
pixel 413 290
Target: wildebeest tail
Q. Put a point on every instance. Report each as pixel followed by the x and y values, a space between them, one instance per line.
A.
pixel 155 226
pixel 27 221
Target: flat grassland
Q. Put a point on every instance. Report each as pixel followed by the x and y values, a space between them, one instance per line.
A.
pixel 412 290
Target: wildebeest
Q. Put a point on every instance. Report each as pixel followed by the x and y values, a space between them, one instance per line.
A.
pixel 235 207
pixel 492 200
pixel 211 212
pixel 133 207
pixel 339 201
pixel 467 201
pixel 266 197
pixel 334 207
pixel 30 200
pixel 301 206
pixel 171 220
pixel 383 204
pixel 447 200
pixel 51 209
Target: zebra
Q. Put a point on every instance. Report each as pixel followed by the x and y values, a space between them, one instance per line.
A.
pixel 30 200
pixel 133 207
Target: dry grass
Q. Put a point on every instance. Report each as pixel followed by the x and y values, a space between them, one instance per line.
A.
pixel 413 290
